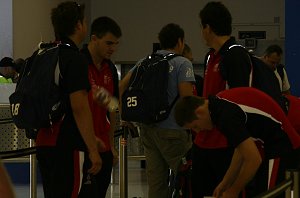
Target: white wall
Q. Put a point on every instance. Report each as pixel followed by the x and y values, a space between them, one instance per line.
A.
pixel 6 24
pixel 141 20
pixel 32 24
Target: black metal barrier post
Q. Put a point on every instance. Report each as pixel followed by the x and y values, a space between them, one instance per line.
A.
pixel 123 174
pixel 290 186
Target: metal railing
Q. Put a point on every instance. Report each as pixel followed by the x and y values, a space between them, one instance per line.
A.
pixel 123 163
pixel 290 187
pixel 15 146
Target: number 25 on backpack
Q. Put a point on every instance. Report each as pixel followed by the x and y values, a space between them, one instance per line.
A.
pixel 132 101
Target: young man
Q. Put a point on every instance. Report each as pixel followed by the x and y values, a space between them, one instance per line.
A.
pixel 104 40
pixel 242 115
pixel 198 87
pixel 72 140
pixel 224 69
pixel 272 57
pixel 165 142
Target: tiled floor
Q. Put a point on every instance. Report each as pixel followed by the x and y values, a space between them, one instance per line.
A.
pixel 137 184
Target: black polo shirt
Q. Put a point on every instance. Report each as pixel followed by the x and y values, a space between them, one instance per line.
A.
pixel 74 71
pixel 235 65
pixel 240 113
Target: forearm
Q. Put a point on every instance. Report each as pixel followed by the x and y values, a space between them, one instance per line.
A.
pixel 233 170
pixel 185 89
pixel 83 118
pixel 251 161
pixel 122 87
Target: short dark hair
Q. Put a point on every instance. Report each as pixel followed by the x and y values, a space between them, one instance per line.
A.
pixel 65 18
pixel 185 109
pixel 273 49
pixel 169 35
pixel 218 17
pixel 103 25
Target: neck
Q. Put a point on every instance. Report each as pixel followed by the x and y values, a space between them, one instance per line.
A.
pixel 219 42
pixel 174 50
pixel 75 39
pixel 97 60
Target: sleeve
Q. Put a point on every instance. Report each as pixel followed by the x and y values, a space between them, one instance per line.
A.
pixel 237 65
pixel 186 72
pixel 77 74
pixel 232 123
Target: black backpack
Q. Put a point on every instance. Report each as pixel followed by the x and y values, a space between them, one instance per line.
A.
pixel 146 98
pixel 38 101
pixel 263 78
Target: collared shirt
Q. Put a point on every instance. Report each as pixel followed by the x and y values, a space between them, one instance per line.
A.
pixel 238 117
pixel 106 77
pixel 234 72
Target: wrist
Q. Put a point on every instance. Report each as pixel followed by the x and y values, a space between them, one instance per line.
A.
pixel 233 191
pixel 92 149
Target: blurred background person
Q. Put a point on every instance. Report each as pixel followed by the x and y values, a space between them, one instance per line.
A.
pixel 8 72
pixel 272 57
pixel 198 88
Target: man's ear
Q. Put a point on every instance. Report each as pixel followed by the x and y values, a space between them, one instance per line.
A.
pixel 198 111
pixel 93 37
pixel 209 28
pixel 79 25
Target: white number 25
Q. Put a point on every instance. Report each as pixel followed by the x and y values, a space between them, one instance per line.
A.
pixel 131 101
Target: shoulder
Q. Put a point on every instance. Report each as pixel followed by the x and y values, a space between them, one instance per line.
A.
pixel 237 51
pixel 70 55
pixel 181 61
pixel 236 56
pixel 225 112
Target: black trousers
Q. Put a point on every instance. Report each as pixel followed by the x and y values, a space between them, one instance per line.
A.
pixel 97 185
pixel 45 157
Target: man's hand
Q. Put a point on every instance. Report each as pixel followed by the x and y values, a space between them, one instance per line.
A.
pixel 219 190
pixel 96 162
pixel 230 194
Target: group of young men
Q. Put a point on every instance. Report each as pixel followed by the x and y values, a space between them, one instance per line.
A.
pixel 76 155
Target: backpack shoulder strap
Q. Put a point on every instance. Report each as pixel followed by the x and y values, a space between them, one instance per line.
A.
pixel 168 56
pixel 250 59
pixel 171 56
pixel 280 68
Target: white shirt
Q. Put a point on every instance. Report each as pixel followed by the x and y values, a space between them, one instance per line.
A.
pixel 284 84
